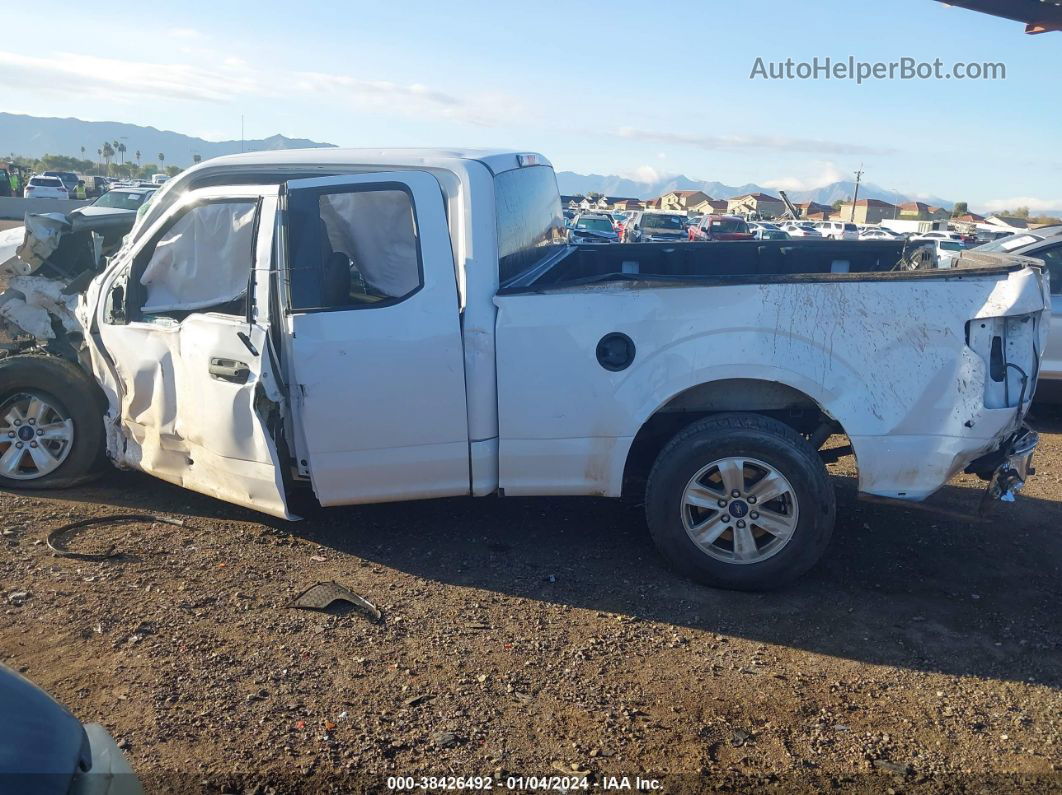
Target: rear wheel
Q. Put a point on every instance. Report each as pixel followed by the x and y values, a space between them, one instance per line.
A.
pixel 51 423
pixel 740 501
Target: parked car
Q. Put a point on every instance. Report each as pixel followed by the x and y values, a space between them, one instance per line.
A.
pixel 720 227
pixel 763 230
pixel 69 178
pixel 653 226
pixel 877 233
pixel 939 235
pixel 117 201
pixel 494 359
pixel 96 186
pixel 45 749
pixel 1044 244
pixel 945 250
pixel 588 228
pixel 838 230
pixel 42 187
pixel 159 179
pixel 800 229
pixel 113 214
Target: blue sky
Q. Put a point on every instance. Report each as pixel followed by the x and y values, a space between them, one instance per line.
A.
pixel 630 88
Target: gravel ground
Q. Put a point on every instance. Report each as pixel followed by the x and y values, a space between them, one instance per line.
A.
pixel 541 636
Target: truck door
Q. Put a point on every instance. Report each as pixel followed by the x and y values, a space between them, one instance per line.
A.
pixel 374 351
pixel 183 329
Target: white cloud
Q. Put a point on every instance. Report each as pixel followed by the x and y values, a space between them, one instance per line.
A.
pixel 122 81
pixel 414 99
pixel 828 174
pixel 643 174
pixel 184 33
pixel 774 143
pixel 1034 204
pixel 127 81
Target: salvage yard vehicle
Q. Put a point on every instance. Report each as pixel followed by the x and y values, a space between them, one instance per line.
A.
pixel 721 227
pixel 655 227
pixel 41 187
pixel 592 229
pixel 838 230
pixel 382 325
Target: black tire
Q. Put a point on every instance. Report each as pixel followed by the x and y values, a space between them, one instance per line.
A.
pixel 757 437
pixel 69 389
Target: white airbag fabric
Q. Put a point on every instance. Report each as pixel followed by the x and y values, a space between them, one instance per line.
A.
pixel 375 229
pixel 202 260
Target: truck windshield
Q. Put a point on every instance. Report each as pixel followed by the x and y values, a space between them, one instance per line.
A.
pixel 122 199
pixel 654 221
pixel 734 225
pixel 530 224
pixel 594 224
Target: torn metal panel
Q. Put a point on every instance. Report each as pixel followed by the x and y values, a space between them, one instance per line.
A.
pixel 33 302
pixel 42 265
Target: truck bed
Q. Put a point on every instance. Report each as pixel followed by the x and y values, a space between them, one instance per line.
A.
pixel 741 261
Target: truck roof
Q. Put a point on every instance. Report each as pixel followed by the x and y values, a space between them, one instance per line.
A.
pixel 497 160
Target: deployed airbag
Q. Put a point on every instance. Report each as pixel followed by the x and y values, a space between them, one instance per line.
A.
pixel 203 260
pixel 375 229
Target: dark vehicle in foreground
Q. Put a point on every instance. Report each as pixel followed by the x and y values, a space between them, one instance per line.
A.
pixel 45 749
pixel 720 227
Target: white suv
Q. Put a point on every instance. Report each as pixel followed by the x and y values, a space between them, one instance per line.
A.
pixel 838 230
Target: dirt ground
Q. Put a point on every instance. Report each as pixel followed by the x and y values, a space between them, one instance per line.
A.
pixel 4 224
pixel 544 636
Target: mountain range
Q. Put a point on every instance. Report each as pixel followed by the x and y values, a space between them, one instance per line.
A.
pixel 571 183
pixel 34 136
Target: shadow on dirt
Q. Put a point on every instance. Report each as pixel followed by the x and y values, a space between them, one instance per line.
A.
pixel 898 586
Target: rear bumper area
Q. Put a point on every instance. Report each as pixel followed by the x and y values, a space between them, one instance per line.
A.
pixel 1009 467
pixel 914 467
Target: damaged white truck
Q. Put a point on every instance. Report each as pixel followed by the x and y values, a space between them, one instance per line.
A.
pixel 385 325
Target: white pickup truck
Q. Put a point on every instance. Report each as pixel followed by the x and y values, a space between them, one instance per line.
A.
pixel 388 325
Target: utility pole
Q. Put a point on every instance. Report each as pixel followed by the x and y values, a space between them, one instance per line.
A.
pixel 859 176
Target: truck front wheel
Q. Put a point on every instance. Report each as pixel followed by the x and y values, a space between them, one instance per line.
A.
pixel 740 501
pixel 51 423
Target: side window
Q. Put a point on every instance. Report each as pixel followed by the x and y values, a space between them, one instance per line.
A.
pixel 352 249
pixel 202 260
pixel 1053 258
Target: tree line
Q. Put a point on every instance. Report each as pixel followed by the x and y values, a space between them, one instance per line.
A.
pixel 104 165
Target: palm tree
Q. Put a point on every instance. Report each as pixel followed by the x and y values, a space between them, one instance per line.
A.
pixel 121 149
pixel 197 158
pixel 99 162
pixel 162 161
pixel 108 153
pixel 138 158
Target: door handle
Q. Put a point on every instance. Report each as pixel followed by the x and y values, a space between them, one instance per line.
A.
pixel 229 370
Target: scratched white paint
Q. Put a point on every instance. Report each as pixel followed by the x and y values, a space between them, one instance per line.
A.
pixel 885 358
